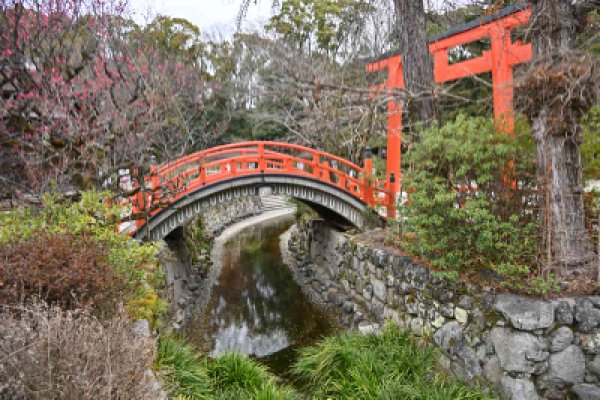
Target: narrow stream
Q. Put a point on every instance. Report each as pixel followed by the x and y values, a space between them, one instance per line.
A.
pixel 256 307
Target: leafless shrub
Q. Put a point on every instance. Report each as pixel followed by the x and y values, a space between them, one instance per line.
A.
pixel 49 353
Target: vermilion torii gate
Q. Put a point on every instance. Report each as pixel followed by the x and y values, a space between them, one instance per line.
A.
pixel 500 59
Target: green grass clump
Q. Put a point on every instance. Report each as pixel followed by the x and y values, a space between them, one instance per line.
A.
pixel 185 375
pixel 238 377
pixel 181 370
pixel 386 366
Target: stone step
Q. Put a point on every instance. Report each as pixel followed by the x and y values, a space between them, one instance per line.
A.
pixel 272 202
pixel 274 199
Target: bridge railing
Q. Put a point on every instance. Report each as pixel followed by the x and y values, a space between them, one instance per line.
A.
pixel 173 180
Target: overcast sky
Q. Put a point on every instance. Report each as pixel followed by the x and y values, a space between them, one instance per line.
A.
pixel 214 17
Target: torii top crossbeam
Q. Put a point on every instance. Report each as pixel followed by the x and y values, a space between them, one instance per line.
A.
pixel 499 59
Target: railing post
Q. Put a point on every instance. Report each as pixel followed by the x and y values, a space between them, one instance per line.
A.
pixel 316 162
pixel 154 178
pixel 326 172
pixel 287 164
pixel 202 173
pixel 262 165
pixel 154 191
pixel 233 167
pixel 391 198
pixel 138 199
pixel 368 180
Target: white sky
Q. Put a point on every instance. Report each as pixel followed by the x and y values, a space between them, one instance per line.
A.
pixel 216 18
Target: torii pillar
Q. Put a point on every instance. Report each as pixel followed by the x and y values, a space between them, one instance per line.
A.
pixel 395 80
pixel 500 60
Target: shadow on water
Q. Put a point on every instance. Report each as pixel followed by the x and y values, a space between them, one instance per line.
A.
pixel 256 307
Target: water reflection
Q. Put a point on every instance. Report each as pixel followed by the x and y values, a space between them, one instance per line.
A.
pixel 256 307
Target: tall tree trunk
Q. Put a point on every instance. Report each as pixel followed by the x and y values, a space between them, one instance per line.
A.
pixel 417 62
pixel 557 91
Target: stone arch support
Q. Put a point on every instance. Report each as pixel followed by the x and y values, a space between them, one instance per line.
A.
pixel 307 189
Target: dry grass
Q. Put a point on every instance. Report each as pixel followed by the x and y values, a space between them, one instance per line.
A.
pixel 49 353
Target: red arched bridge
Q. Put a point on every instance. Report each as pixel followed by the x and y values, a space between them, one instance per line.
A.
pixel 178 191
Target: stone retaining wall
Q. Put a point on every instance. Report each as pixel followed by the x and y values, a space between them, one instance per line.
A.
pixel 528 348
pixel 221 215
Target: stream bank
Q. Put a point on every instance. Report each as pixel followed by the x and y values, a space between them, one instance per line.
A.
pixel 254 305
pixel 527 348
pixel 185 255
pixel 263 297
pixel 237 294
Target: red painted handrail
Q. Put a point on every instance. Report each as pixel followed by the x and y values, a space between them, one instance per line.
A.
pixel 174 180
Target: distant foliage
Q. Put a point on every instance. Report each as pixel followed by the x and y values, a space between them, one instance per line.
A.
pixel 590 148
pixel 49 353
pixel 387 366
pixel 322 24
pixel 463 213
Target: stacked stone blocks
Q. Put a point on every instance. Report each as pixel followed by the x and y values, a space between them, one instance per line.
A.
pixel 528 348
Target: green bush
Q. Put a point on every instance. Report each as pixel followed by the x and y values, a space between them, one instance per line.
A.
pixel 93 219
pixel 463 214
pixel 303 212
pixel 196 240
pixel 386 366
pixel 590 148
pixel 468 238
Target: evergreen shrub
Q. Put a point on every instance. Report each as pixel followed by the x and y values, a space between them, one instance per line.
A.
pixel 471 209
